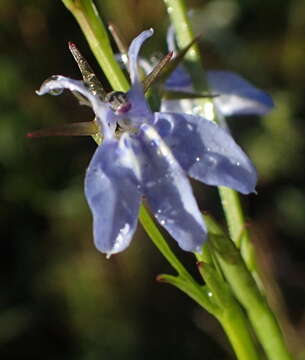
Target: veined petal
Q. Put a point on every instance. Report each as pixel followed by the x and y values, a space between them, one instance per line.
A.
pixel 57 83
pixel 236 95
pixel 112 191
pixel 206 151
pixel 169 192
pixel 133 53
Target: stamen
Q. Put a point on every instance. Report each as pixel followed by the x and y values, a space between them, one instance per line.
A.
pixel 118 102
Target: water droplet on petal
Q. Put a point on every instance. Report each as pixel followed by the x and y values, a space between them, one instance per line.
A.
pixel 197 110
pixel 190 127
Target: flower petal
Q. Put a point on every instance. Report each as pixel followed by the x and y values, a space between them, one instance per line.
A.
pixel 169 192
pixel 57 83
pixel 179 80
pixel 133 53
pixel 237 95
pixel 112 191
pixel 206 151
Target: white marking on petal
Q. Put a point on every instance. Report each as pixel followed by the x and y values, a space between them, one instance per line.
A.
pixel 128 158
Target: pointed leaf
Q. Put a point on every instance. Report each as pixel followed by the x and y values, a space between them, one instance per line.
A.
pixel 157 72
pixel 89 77
pixel 73 129
pixel 170 95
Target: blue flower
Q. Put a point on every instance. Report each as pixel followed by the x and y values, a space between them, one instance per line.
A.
pixel 235 95
pixel 150 154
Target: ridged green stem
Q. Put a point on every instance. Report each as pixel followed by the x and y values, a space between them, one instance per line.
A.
pixel 231 315
pixel 237 328
pixel 246 291
pixel 94 30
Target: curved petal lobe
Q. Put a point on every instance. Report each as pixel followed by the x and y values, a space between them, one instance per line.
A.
pixel 57 83
pixel 169 192
pixel 206 151
pixel 133 53
pixel 237 95
pixel 112 191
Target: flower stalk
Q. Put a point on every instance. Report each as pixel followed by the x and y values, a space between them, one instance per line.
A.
pixel 222 303
pixel 247 292
pixel 230 315
pixel 94 30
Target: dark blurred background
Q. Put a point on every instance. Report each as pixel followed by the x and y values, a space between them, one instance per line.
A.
pixel 60 298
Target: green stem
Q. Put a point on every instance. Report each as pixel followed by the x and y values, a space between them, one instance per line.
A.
pixel 223 306
pixel 238 230
pixel 247 293
pixel 94 30
pixel 231 315
pixel 237 328
pixel 157 238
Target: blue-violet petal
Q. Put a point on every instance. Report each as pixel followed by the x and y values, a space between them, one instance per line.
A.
pixel 169 192
pixel 206 151
pixel 236 95
pixel 112 191
pixel 133 53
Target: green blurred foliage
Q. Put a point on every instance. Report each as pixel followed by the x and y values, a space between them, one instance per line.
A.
pixel 62 299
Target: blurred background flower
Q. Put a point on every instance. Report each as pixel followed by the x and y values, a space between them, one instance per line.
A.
pixel 62 299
